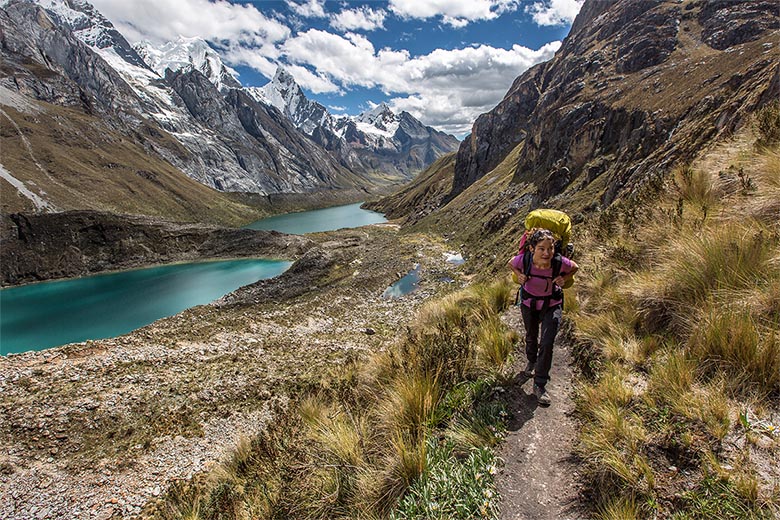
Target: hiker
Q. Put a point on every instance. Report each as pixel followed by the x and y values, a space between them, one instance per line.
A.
pixel 541 274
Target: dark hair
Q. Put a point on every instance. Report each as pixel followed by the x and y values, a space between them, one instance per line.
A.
pixel 540 235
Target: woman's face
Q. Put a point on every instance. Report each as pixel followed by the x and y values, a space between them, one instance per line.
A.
pixel 544 251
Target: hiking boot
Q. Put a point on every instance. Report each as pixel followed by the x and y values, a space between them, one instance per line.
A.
pixel 529 369
pixel 541 395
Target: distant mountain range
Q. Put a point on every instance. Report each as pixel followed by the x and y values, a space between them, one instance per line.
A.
pixel 174 107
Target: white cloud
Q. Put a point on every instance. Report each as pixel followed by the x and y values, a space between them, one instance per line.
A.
pixel 316 83
pixel 309 9
pixel 555 12
pixel 363 18
pixel 456 13
pixel 162 21
pixel 445 88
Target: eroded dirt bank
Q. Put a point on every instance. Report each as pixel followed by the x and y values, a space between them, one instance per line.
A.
pixel 97 429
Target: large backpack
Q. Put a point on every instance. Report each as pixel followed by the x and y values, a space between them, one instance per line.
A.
pixel 553 220
pixel 559 224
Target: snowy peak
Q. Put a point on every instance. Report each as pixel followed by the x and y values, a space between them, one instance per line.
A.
pixel 283 93
pixel 91 27
pixel 187 54
pixel 282 78
pixel 379 120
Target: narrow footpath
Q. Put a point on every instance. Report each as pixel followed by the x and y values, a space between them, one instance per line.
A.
pixel 539 478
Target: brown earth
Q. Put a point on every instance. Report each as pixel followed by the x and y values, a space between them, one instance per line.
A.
pixel 538 480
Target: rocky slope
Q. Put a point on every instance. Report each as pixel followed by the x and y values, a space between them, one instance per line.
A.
pixel 636 86
pixel 79 243
pixel 99 429
pixel 85 85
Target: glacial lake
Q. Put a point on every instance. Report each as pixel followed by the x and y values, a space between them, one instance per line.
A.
pixel 47 314
pixel 327 219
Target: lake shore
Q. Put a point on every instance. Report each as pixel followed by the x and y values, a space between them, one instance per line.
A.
pixel 98 429
pixel 78 243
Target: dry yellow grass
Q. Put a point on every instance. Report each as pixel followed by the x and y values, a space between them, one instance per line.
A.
pixel 683 315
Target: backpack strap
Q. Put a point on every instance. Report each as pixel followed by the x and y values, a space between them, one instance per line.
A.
pixel 557 292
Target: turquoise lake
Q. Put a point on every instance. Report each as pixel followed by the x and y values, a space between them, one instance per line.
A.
pixel 327 219
pixel 47 314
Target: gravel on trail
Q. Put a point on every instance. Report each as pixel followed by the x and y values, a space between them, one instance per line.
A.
pixel 538 480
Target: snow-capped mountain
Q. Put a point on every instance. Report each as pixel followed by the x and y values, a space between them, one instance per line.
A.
pixel 91 27
pixel 180 106
pixel 379 120
pixel 188 54
pixel 225 140
pixel 283 93
pixel 375 140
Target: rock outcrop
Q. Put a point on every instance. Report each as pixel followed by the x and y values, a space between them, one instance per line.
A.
pixel 636 87
pixel 78 243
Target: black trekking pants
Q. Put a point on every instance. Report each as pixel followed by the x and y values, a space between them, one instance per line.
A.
pixel 541 352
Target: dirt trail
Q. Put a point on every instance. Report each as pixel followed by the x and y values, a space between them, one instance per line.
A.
pixel 539 477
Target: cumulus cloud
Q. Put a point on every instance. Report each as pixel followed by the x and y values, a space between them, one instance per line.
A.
pixel 161 21
pixel 457 13
pixel 445 88
pixel 555 12
pixel 361 18
pixel 309 9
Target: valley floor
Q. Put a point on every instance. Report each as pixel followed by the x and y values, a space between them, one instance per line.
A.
pixel 98 429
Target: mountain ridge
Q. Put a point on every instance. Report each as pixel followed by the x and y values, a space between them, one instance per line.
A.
pixel 65 53
pixel 377 139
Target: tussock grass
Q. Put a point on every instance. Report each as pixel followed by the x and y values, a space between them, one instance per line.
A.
pixel 694 266
pixel 610 389
pixel 494 344
pixel 728 340
pixel 680 324
pixel 414 421
pixel 621 508
pixel 767 124
pixel 412 404
pixel 694 186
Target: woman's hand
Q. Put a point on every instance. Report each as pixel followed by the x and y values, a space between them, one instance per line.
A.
pixel 521 278
pixel 559 281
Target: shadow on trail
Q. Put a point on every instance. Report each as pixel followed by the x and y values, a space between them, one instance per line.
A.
pixel 520 404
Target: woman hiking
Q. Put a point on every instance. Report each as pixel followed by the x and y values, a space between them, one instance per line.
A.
pixel 541 273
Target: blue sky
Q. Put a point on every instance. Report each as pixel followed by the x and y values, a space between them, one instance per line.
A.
pixel 444 61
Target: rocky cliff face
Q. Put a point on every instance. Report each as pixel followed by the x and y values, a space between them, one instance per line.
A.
pixel 637 86
pixel 78 243
pixel 48 62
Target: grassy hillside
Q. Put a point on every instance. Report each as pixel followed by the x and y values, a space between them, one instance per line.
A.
pixel 677 330
pixel 422 196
